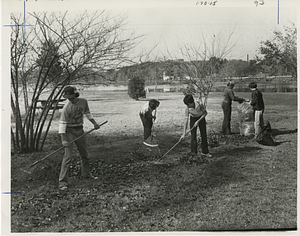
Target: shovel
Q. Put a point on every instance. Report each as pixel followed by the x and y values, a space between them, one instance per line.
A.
pixel 54 152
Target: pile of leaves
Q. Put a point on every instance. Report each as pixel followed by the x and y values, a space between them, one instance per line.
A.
pixel 218 139
pixel 192 158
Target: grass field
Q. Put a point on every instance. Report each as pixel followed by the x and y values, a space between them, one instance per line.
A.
pixel 245 186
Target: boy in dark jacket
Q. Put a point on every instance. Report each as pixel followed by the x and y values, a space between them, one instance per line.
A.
pixel 257 103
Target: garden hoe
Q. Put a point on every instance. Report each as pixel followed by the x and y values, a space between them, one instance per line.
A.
pixel 33 165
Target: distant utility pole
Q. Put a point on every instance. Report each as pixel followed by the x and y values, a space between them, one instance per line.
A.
pixel 247 57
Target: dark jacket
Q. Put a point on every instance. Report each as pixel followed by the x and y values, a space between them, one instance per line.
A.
pixel 257 100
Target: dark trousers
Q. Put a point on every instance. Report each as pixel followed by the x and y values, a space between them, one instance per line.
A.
pixel 147 124
pixel 202 127
pixel 226 106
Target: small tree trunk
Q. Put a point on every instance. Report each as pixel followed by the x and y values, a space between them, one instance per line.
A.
pixel 13 140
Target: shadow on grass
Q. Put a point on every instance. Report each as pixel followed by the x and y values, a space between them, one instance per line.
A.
pixel 182 184
pixel 279 143
pixel 276 132
pixel 147 190
pixel 121 166
pixel 117 164
pixel 228 167
pixel 237 151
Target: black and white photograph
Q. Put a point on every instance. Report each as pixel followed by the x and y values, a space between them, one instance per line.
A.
pixel 177 117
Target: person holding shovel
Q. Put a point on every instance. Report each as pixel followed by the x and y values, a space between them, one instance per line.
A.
pixel 196 112
pixel 147 116
pixel 71 127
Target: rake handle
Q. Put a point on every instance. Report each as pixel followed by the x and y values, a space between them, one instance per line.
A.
pixel 171 148
pixel 196 123
pixel 194 126
pixel 52 153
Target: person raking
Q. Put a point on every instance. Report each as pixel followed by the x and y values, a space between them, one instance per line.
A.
pixel 71 127
pixel 193 112
pixel 147 116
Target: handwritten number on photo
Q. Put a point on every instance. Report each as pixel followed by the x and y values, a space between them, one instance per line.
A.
pixel 207 3
pixel 260 2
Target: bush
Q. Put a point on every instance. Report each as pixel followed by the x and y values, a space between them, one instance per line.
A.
pixel 136 87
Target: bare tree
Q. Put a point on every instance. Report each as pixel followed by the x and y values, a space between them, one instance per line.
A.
pixel 58 50
pixel 201 60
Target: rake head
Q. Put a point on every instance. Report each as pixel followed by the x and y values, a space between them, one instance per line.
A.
pixel 151 141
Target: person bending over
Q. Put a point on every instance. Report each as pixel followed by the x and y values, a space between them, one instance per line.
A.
pixel 147 115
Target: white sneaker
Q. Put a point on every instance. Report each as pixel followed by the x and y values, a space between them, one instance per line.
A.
pixel 206 155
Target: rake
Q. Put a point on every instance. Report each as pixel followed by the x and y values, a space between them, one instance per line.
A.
pixel 32 166
pixel 150 147
pixel 151 140
pixel 194 126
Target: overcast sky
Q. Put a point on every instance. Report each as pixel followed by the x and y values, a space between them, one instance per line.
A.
pixel 182 21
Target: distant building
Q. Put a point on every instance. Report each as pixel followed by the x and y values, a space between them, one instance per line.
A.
pixel 166 77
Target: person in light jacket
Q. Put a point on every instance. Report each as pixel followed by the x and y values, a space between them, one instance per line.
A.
pixel 71 127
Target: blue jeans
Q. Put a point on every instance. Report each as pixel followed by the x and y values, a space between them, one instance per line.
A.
pixel 202 127
pixel 73 133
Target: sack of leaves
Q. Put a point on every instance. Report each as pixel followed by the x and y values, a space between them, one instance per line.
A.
pixel 246 119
